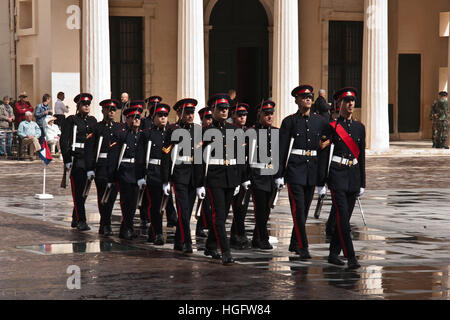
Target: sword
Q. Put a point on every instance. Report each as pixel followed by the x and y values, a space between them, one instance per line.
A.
pixel 274 198
pixel 74 140
pixel 362 212
pixel 142 190
pixel 88 184
pixel 322 198
pixel 252 154
pixel 165 198
pixel 200 201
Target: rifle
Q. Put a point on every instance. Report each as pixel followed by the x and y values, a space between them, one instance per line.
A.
pixel 322 198
pixel 142 190
pixel 108 190
pixel 87 187
pixel 165 198
pixel 275 194
pixel 74 139
pixel 200 201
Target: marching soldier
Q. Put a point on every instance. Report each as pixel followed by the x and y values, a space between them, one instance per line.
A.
pixel 262 185
pixel 151 102
pixel 97 148
pixel 302 170
pixel 347 177
pixel 238 238
pixel 75 129
pixel 222 181
pixel 121 166
pixel 206 214
pixel 183 174
pixel 148 170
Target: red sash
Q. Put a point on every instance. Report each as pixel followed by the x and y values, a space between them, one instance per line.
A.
pixel 349 142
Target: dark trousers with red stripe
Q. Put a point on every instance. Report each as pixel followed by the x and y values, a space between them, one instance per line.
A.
pixel 239 212
pixel 78 179
pixel 300 198
pixel 151 205
pixel 261 204
pixel 344 203
pixel 220 199
pixel 185 198
pixel 128 199
pixel 106 209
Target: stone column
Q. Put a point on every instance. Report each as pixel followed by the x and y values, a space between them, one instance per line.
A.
pixel 375 71
pixel 191 53
pixel 285 57
pixel 95 57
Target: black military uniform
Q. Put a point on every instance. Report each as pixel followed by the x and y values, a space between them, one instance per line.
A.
pixel 84 124
pixel 152 102
pixel 346 178
pixel 185 176
pixel 222 180
pixel 262 186
pixel 302 171
pixel 205 212
pixel 123 173
pixel 153 193
pixel 97 161
pixel 238 238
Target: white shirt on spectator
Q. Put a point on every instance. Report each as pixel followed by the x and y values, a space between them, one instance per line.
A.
pixel 60 107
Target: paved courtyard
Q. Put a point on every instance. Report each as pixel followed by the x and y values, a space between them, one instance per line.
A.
pixel 403 250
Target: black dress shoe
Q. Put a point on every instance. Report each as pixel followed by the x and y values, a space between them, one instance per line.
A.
pixel 334 259
pixel 236 242
pixel 227 259
pixel 352 263
pixel 159 240
pixel 244 242
pixel 126 234
pixel 74 223
pixel 151 237
pixel 187 248
pixel 304 253
pixel 107 230
pixel 265 245
pixel 213 253
pixel 83 226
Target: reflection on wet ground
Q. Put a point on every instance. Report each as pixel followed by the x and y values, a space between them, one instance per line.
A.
pixel 403 250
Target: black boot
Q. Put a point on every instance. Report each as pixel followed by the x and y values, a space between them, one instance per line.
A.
pixel 187 248
pixel 159 240
pixel 352 263
pixel 83 226
pixel 74 223
pixel 304 253
pixel 265 245
pixel 235 242
pixel 213 253
pixel 126 234
pixel 334 259
pixel 227 259
pixel 107 230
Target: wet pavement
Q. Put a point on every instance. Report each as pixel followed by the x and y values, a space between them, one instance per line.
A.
pixel 403 250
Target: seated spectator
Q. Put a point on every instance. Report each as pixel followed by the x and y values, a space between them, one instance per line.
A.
pixel 20 108
pixel 6 124
pixel 30 133
pixel 41 112
pixel 52 133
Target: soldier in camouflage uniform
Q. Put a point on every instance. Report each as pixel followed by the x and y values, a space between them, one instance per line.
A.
pixel 439 114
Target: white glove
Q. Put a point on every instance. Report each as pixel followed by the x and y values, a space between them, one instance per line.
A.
pixel 142 183
pixel 246 185
pixel 201 193
pixel 166 188
pixel 361 192
pixel 91 175
pixel 69 165
pixel 236 191
pixel 279 183
pixel 322 191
